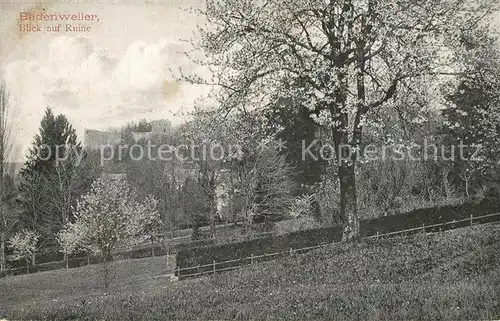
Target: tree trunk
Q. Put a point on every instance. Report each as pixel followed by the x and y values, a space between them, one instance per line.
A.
pixel 2 252
pixel 212 210
pixel 33 259
pixel 467 187
pixel 346 159
pixel 212 222
pixel 66 259
pixel 106 276
pixel 446 183
pixel 348 202
pixel 152 247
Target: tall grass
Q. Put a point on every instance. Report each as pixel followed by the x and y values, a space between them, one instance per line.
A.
pixel 453 275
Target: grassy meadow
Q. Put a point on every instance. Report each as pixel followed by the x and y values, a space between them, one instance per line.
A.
pixel 454 275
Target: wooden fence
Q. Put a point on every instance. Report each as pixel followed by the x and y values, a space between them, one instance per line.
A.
pixel 149 249
pixel 253 259
pixel 212 267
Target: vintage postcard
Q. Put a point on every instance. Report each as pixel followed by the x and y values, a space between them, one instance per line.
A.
pixel 249 159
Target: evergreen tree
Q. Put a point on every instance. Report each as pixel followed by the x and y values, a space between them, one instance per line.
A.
pixel 55 135
pixel 54 142
pixel 297 129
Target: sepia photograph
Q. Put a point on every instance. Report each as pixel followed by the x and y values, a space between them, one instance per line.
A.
pixel 250 160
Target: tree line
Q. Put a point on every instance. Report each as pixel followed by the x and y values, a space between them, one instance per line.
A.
pixel 287 73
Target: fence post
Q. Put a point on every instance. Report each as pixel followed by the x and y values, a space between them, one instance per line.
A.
pixel 251 258
pixel 214 266
pixel 291 251
pixel 88 260
pixel 423 228
pixel 471 220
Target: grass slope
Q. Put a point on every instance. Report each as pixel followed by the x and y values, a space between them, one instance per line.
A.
pixel 59 286
pixel 453 275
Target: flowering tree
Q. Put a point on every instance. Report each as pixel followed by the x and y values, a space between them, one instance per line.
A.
pixel 162 179
pixel 25 244
pixel 263 185
pixel 68 243
pixel 472 116
pixel 247 169
pixel 70 178
pixel 218 142
pixel 343 58
pixel 107 217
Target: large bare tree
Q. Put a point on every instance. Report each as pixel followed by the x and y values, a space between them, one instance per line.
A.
pixel 8 211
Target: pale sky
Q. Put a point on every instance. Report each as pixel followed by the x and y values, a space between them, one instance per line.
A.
pixel 117 72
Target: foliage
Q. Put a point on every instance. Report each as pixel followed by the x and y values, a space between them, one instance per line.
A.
pixel 107 217
pixel 343 58
pixel 263 185
pixel 9 214
pixel 24 245
pixel 472 113
pixel 9 209
pixel 312 237
pixel 163 180
pixel 143 126
pixel 46 207
pixel 55 134
pixel 195 205
pixel 326 195
pixel 206 131
pixel 251 175
pixel 34 214
pixel 301 206
pixel 389 186
pixel 70 178
pixel 292 123
pixel 68 242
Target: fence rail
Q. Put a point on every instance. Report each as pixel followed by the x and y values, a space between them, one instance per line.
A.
pixel 252 258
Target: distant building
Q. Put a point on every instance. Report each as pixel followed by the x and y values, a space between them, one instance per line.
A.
pixel 162 126
pixel 95 139
pixel 158 128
